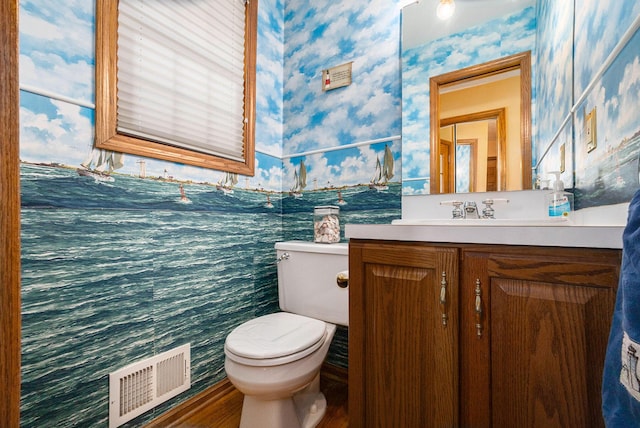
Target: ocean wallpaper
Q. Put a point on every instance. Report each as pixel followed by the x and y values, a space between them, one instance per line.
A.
pixel 162 254
pixel 491 40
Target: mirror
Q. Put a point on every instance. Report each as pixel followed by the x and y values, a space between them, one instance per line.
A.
pixel 486 41
pixel 471 153
pixel 461 97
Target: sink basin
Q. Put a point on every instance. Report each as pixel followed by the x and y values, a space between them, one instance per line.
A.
pixel 515 222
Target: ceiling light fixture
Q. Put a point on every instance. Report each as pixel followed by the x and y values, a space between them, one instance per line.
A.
pixel 445 9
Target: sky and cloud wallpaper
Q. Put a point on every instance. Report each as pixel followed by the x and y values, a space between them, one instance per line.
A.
pixel 159 255
pixel 605 82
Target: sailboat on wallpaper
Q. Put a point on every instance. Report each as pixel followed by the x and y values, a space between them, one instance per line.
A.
pixel 299 181
pixel 383 172
pixel 227 182
pixel 100 164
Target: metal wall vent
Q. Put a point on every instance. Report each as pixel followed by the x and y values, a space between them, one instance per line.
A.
pixel 141 386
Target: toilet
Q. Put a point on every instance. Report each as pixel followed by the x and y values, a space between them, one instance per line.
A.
pixel 275 359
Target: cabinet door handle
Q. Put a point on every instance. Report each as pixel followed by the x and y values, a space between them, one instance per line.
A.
pixel 443 298
pixel 478 308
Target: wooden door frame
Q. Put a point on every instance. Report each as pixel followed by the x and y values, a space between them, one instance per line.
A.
pixel 473 161
pixel 9 215
pixel 499 115
pixel 521 61
pixel 449 173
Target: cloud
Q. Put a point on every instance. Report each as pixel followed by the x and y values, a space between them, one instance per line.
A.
pixel 267 177
pixel 38 27
pixel 369 108
pixel 606 23
pixel 628 91
pixel 57 47
pixel 70 133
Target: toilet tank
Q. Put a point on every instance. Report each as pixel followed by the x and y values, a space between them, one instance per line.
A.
pixel 307 280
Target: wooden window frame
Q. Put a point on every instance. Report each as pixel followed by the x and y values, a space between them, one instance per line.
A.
pixel 106 134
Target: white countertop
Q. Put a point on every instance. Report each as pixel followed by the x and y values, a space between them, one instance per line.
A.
pixel 549 236
pixel 596 227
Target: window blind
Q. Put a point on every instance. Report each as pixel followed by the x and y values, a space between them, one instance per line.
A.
pixel 181 73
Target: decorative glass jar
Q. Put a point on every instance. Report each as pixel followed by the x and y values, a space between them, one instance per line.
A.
pixel 326 224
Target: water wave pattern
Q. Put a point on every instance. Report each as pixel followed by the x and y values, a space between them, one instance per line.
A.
pixel 116 272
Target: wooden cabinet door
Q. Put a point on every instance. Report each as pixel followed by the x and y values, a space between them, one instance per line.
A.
pixel 403 364
pixel 539 359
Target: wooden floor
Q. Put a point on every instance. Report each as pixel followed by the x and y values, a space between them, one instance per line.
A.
pixel 224 411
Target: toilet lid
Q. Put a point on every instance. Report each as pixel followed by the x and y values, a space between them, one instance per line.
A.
pixel 275 335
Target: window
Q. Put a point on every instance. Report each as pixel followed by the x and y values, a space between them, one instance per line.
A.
pixel 183 68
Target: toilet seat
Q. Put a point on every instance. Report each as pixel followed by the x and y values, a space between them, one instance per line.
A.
pixel 275 339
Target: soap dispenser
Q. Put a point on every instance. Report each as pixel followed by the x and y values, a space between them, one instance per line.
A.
pixel 559 202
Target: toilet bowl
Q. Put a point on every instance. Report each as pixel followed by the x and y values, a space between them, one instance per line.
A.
pixel 272 385
pixel 275 359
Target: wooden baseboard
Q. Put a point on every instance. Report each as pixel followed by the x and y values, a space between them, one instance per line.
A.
pixel 194 405
pixel 185 411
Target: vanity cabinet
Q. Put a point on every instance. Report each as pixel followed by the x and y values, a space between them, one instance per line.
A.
pixel 403 335
pixel 477 335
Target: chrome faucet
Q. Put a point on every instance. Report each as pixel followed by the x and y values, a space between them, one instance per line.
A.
pixel 488 211
pixel 470 210
pixel 457 211
pixel 462 209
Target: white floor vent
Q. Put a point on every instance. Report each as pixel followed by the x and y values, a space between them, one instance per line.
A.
pixel 141 386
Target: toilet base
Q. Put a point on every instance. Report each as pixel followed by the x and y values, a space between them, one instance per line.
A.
pixel 305 409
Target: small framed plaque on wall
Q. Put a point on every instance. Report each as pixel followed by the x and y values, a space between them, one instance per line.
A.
pixel 336 77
